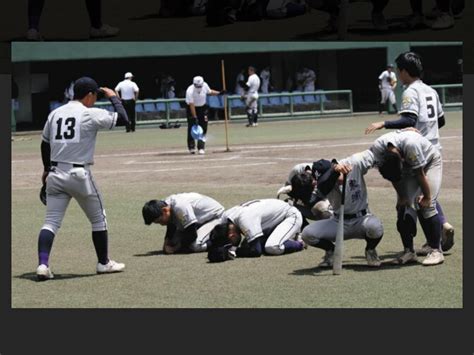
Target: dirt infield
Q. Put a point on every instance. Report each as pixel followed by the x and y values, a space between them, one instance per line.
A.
pixel 133 168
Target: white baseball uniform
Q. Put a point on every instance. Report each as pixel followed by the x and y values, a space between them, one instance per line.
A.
pixel 251 95
pixel 268 217
pixel 417 152
pixel 386 89
pixel 358 221
pixel 265 77
pixel 239 90
pixel 423 101
pixel 71 131
pixel 189 208
pixel 309 79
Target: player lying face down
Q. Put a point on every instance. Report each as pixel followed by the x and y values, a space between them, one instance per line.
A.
pixel 255 227
pixel 359 222
pixel 188 217
pixel 414 167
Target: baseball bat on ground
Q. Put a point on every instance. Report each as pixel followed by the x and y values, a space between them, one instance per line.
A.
pixel 225 107
pixel 339 247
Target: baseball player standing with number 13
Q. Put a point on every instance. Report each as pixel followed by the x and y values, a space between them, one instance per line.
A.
pixel 67 151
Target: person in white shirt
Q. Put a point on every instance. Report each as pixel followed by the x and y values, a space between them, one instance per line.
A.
pixel 197 108
pixel 69 92
pixel 265 77
pixel 309 79
pixel 239 90
pixel 128 92
pixel 251 96
pixel 387 85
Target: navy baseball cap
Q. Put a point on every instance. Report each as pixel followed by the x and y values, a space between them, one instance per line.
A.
pixel 85 85
pixel 320 167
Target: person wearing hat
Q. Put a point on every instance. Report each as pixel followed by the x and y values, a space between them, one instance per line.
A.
pixel 387 85
pixel 196 96
pixel 188 217
pixel 67 152
pixel 128 92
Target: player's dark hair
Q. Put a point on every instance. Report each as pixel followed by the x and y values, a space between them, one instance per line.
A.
pixel 411 62
pixel 302 187
pixel 152 210
pixel 391 168
pixel 219 235
pixel 252 68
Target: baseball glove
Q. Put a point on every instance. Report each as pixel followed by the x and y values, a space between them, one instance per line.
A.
pixel 42 194
pixel 218 254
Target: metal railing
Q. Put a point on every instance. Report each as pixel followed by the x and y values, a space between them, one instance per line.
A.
pixel 443 96
pixel 291 112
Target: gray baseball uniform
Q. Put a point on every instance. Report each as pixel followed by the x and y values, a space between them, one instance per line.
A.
pixel 189 208
pixel 417 152
pixel 71 131
pixel 251 95
pixel 423 101
pixel 268 217
pixel 358 221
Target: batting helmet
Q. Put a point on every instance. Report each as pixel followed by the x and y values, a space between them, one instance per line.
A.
pixel 197 132
pixel 411 62
pixel 152 210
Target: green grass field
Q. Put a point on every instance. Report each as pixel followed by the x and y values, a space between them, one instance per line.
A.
pixel 152 163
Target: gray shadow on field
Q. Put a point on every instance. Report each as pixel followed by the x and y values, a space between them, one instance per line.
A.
pixel 151 253
pixel 317 271
pixel 31 276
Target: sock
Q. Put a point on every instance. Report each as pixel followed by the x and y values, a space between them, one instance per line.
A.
pixel 325 245
pixel 292 246
pixel 441 215
pixel 372 243
pixel 94 8
pixel 255 117
pixel 406 226
pixel 432 229
pixel 35 8
pixel 100 240
pixel 381 107
pixel 45 243
pixel 395 108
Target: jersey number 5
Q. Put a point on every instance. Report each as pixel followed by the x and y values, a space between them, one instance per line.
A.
pixel 431 109
pixel 66 131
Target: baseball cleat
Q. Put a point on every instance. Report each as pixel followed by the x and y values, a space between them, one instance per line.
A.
pixel 192 151
pixel 110 267
pixel 424 250
pixel 405 257
pixel 434 258
pixel 104 31
pixel 372 258
pixel 43 273
pixel 447 237
pixel 328 259
pixel 201 151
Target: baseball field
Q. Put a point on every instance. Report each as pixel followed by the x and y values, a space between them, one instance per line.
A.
pixel 151 163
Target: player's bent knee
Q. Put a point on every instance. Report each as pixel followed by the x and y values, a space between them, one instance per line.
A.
pixel 374 229
pixel 310 239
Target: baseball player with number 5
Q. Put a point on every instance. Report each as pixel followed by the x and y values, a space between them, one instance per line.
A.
pixel 67 151
pixel 421 111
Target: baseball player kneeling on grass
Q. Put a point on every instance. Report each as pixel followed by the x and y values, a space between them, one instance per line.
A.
pixel 67 151
pixel 414 167
pixel 358 221
pixel 189 219
pixel 269 225
pixel 303 200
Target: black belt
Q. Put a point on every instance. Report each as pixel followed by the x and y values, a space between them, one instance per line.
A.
pixel 55 163
pixel 355 215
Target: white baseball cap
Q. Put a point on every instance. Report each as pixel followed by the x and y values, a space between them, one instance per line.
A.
pixel 128 75
pixel 198 81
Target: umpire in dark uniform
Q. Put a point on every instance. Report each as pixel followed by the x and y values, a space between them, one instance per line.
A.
pixel 197 109
pixel 128 92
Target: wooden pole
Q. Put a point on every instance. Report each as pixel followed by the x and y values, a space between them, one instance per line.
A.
pixel 225 106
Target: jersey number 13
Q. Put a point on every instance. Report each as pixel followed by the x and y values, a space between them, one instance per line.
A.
pixel 65 128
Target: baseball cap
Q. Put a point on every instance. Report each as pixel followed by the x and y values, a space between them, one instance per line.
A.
pixel 85 85
pixel 128 75
pixel 320 167
pixel 390 65
pixel 198 133
pixel 152 210
pixel 198 81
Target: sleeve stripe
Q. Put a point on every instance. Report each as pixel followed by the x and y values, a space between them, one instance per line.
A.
pixel 114 121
